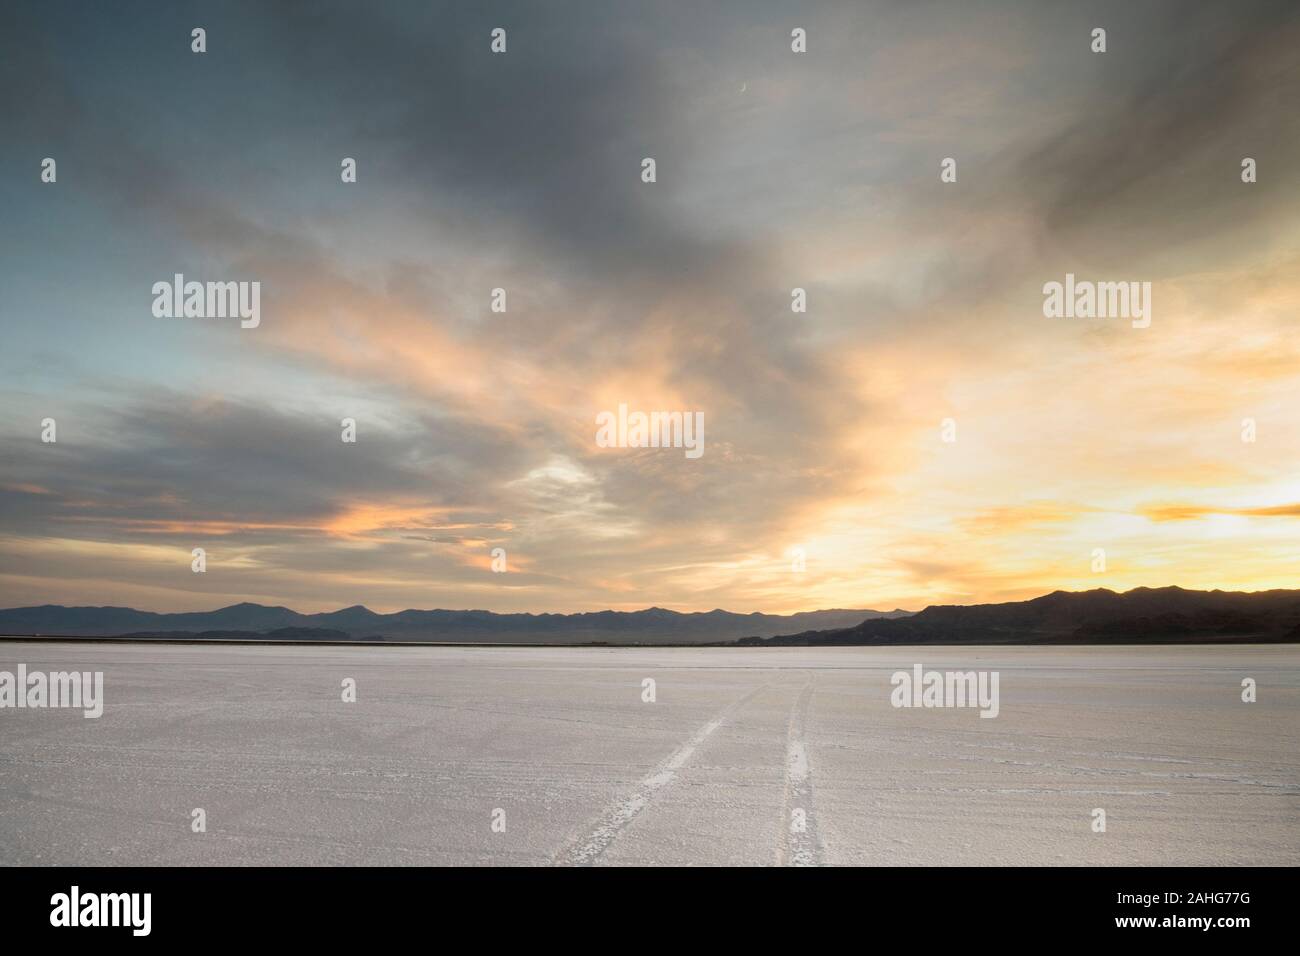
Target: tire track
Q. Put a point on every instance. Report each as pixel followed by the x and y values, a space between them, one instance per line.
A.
pixel 801 843
pixel 587 850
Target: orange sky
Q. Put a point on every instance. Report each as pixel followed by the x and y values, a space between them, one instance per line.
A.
pixel 824 430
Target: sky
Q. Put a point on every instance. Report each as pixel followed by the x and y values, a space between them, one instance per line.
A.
pixel 922 434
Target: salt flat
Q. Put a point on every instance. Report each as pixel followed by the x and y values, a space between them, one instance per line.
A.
pixel 737 744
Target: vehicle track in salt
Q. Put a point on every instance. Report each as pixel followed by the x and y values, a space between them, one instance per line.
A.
pixel 800 843
pixel 587 850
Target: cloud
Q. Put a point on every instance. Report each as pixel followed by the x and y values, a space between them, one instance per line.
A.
pixel 1176 512
pixel 522 172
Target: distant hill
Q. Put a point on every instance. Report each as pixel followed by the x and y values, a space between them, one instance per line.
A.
pixel 253 621
pixel 1170 615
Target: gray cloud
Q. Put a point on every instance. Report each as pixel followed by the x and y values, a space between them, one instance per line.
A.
pixel 166 457
pixel 523 171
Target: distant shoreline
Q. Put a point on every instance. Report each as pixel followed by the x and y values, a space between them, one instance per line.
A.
pixel 1096 618
pixel 1254 641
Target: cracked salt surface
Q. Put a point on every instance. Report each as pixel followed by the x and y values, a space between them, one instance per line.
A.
pixel 710 773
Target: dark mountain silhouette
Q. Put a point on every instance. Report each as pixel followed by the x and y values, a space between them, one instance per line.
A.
pixel 1168 615
pixel 253 621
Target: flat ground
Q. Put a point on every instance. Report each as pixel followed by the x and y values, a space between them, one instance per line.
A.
pixel 713 772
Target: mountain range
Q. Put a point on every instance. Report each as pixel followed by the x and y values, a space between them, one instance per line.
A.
pixel 251 621
pixel 1170 615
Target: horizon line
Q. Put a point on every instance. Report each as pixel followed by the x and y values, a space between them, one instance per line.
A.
pixel 653 607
